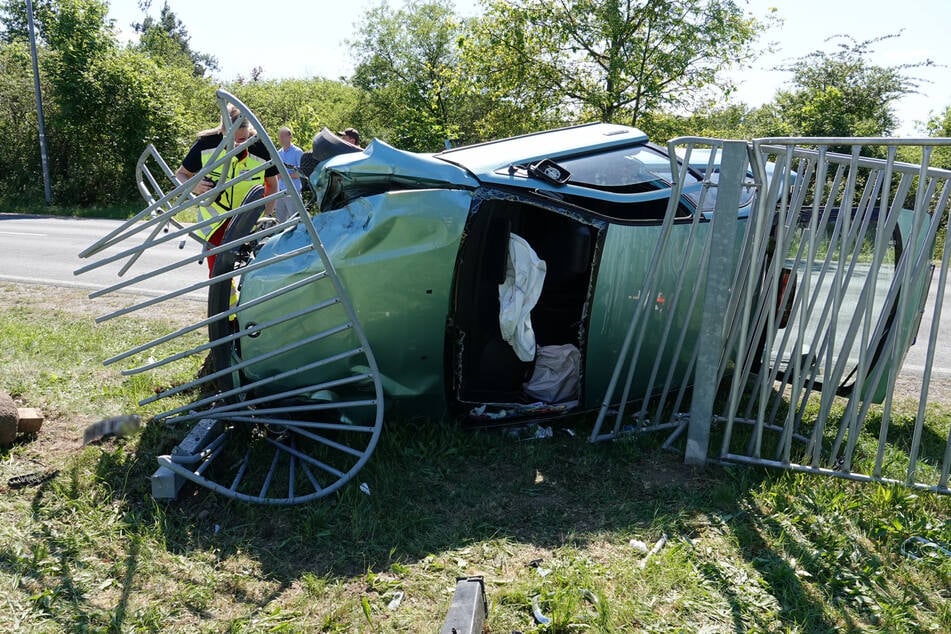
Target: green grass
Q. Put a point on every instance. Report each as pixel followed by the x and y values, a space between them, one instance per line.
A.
pixel 115 212
pixel 747 550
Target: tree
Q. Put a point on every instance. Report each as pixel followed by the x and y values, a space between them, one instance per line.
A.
pixel 167 39
pixel 610 60
pixel 407 64
pixel 733 121
pixel 842 93
pixel 104 104
pixel 939 125
pixel 13 19
pixel 306 105
pixel 20 172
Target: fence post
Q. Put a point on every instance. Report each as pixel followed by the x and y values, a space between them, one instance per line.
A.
pixel 720 273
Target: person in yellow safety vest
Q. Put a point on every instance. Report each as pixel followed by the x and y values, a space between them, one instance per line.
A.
pixel 232 197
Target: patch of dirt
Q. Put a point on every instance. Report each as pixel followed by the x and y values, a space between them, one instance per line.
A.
pixel 177 312
pixel 62 432
pixel 666 470
pixel 909 386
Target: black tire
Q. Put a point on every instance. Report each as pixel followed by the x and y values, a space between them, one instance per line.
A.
pixel 219 293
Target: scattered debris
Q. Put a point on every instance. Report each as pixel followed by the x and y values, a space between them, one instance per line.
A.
pixel 395 602
pixel 31 479
pixel 16 420
pixel 540 618
pixel 924 547
pixel 469 608
pixel 639 546
pixel 490 412
pixel 543 432
pixel 656 549
pixel 29 420
pixel 113 426
pixel 537 564
pixel 590 597
pixel 364 487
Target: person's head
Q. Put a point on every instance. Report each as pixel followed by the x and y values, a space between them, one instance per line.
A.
pixel 284 135
pixel 245 129
pixel 350 135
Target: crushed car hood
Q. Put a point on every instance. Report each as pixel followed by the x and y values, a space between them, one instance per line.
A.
pixel 381 164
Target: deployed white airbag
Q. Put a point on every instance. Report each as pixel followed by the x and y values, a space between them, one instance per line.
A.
pixel 518 294
pixel 556 374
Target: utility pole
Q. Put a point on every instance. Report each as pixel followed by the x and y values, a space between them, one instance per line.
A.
pixel 47 189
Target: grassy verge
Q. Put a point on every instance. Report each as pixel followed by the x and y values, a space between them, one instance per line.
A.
pixel 560 519
pixel 114 212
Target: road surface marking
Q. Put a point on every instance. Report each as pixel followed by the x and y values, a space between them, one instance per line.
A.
pixel 23 233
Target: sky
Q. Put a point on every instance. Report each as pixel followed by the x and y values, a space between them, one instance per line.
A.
pixel 307 38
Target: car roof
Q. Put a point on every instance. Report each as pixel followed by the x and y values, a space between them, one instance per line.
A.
pixel 484 159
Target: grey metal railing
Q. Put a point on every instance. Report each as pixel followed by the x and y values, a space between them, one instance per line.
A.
pixel 295 446
pixel 805 308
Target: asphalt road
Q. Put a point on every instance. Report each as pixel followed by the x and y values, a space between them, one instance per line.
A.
pixel 45 250
pixel 915 359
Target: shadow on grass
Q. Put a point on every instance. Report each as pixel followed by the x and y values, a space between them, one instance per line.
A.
pixel 435 487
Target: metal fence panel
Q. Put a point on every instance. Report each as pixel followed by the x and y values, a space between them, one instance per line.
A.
pixel 809 300
pixel 283 438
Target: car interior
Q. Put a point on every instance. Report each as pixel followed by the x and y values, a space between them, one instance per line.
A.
pixel 485 367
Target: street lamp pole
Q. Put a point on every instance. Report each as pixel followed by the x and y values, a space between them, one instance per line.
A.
pixel 47 190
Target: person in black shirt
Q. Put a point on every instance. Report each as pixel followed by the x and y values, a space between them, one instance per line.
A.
pixel 245 191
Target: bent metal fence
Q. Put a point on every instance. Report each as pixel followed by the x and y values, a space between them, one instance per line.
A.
pixel 806 320
pixel 294 444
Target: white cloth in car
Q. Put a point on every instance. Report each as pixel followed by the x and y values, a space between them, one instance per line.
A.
pixel 556 374
pixel 524 276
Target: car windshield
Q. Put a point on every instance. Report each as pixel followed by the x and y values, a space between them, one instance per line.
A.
pixel 642 168
pixel 637 168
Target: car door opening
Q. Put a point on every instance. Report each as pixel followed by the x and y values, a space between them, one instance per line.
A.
pixel 485 367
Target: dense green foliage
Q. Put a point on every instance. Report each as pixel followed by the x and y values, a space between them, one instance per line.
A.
pixel 843 94
pixel 611 60
pixel 167 39
pixel 103 104
pixel 423 76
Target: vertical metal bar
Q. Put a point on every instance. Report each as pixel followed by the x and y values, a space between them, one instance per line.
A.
pixel 310 476
pixel 640 309
pixel 673 303
pixel 719 277
pixel 758 233
pixel 881 242
pixel 271 471
pixel 292 474
pixel 811 235
pixel 892 358
pixel 241 471
pixel 649 291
